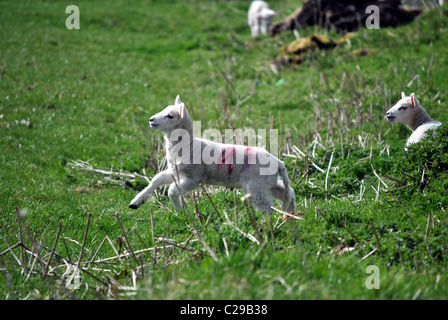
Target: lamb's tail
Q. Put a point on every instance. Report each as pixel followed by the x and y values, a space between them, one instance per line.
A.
pixel 289 199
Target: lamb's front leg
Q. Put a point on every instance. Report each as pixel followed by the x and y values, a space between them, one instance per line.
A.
pixel 264 28
pixel 162 178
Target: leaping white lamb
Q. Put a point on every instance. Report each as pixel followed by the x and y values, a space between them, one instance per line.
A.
pixel 193 161
pixel 409 111
pixel 259 18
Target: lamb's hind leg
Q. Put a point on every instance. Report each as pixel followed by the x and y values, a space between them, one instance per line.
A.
pixel 278 191
pixel 288 200
pixel 260 197
pixel 185 186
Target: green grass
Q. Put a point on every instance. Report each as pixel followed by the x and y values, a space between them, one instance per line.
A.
pixel 80 88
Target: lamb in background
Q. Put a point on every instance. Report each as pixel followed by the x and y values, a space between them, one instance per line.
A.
pixel 409 111
pixel 259 18
pixel 237 166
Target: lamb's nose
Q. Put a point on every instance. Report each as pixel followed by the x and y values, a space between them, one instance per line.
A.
pixel 151 120
pixel 387 113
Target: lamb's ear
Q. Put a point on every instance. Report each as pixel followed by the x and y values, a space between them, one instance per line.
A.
pixel 414 100
pixel 182 110
pixel 177 101
pixel 403 95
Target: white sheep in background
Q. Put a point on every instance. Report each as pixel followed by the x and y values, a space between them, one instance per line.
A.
pixel 252 169
pixel 409 111
pixel 259 18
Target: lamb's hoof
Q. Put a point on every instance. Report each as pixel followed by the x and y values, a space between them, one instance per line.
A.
pixel 133 206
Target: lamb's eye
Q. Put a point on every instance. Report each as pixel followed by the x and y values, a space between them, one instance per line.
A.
pixel 402 108
pixel 170 116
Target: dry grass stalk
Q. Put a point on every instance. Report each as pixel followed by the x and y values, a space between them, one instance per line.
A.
pixel 98 250
pixel 272 231
pixel 289 215
pixel 109 174
pixel 426 239
pixel 199 215
pixel 211 201
pixel 154 259
pixel 376 237
pixel 127 254
pixel 196 231
pixel 36 257
pixel 235 205
pixel 20 232
pixel 225 246
pixel 10 249
pixel 327 174
pixel 247 235
pixel 368 255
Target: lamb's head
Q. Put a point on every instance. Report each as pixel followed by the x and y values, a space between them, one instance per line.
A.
pixel 172 117
pixel 266 15
pixel 403 111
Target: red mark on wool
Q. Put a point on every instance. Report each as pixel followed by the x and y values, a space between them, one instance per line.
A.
pixel 227 158
pixel 249 154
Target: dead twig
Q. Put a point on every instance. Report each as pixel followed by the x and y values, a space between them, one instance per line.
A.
pixel 52 251
pixel 376 237
pixel 209 198
pixel 393 179
pixel 84 239
pixel 342 225
pixel 98 250
pixel 126 238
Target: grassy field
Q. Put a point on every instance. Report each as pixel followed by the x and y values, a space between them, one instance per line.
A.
pixel 86 96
